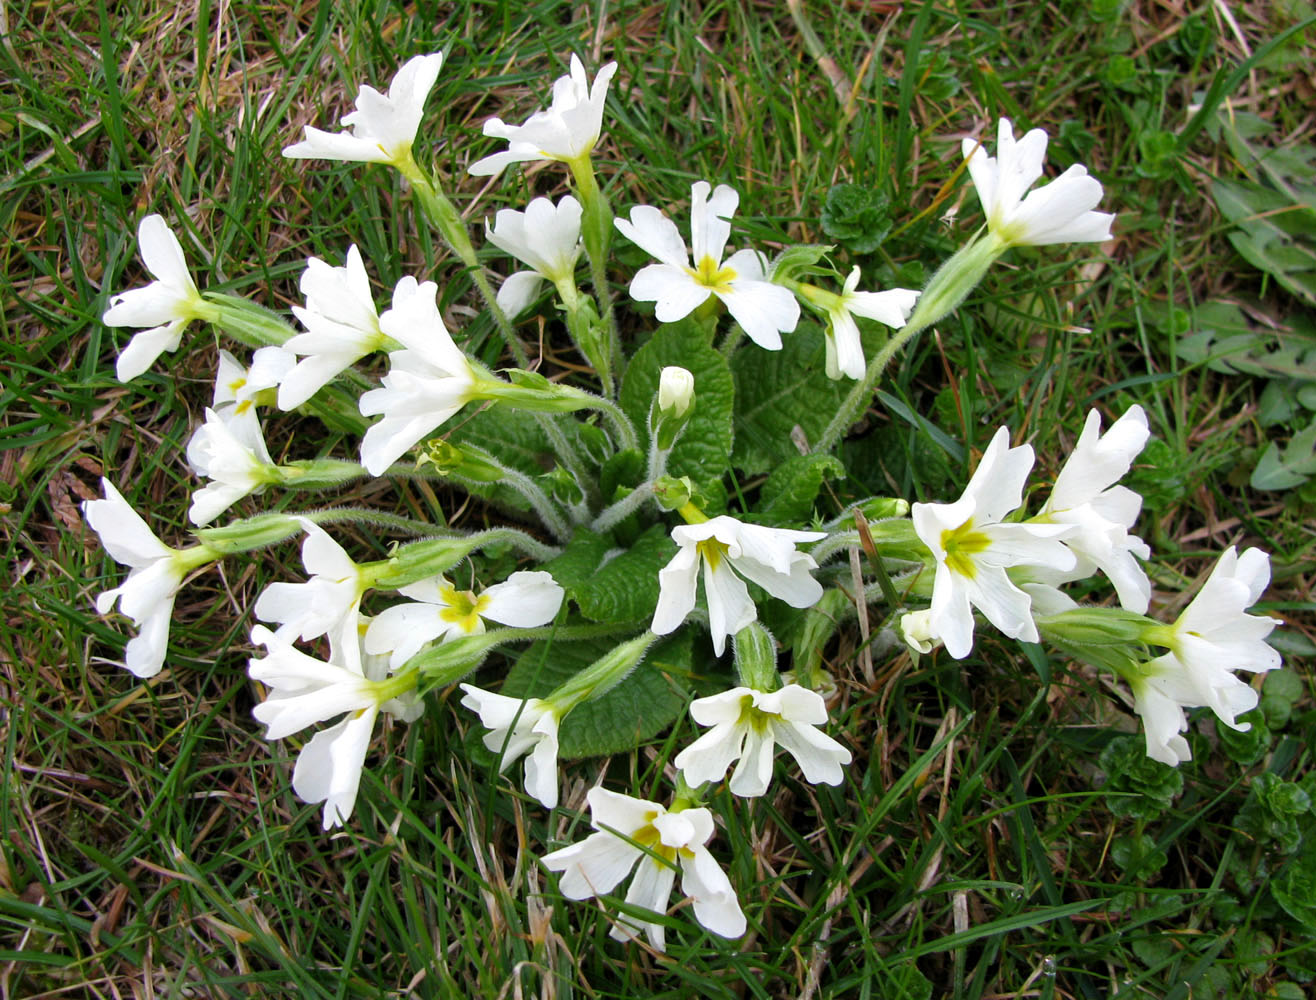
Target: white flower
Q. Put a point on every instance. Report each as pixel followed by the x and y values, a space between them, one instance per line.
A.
pixel 519 727
pixel 330 598
pixel 729 550
pixel 383 127
pixel 544 237
pixel 632 831
pixel 973 550
pixel 1058 212
pixel 676 390
pixel 916 629
pixel 166 305
pixel 567 131
pixel 238 389
pixel 232 455
pixel 526 599
pixel 845 349
pixel 764 311
pixel 341 323
pixel 428 381
pixel 304 691
pixel 748 726
pixel 1085 495
pixel 157 571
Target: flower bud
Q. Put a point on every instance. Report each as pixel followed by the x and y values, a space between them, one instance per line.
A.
pixel 672 493
pixel 676 391
pixel 755 652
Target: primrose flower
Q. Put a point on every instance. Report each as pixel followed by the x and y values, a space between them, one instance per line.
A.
pixel 382 129
pixel 845 350
pixel 518 727
pixel 233 456
pixel 428 380
pixel 341 323
pixel 764 311
pixel 1058 212
pixel 729 550
pixel 1213 637
pixel 321 605
pixel 304 691
pixel 238 389
pixel 676 390
pixel 1085 495
pixel 440 611
pixel 643 835
pixel 748 726
pixel 567 131
pixel 166 305
pixel 546 238
pixel 157 571
pixel 973 550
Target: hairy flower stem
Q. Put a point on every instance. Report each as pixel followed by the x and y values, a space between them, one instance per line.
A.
pixel 620 510
pixel 596 232
pixel 443 215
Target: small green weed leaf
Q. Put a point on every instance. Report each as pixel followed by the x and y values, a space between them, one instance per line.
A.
pixel 703 450
pixel 1245 747
pixel 1225 341
pixel 790 491
pixel 1137 786
pixel 625 589
pixel 638 708
pixel 904 982
pixel 857 217
pixel 775 392
pixel 1287 467
pixel 1280 691
pixel 1275 234
pixel 1272 809
pixel 1138 855
pixel 1295 888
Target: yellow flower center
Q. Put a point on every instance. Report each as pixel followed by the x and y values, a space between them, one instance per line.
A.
pixel 961 545
pixel 463 608
pixel 710 274
pixel 712 550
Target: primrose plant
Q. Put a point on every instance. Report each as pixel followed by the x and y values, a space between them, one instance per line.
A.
pixel 619 568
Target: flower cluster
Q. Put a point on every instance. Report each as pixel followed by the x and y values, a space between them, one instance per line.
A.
pixel 583 545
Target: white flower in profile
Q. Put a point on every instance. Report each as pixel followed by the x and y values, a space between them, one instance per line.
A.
pixel 567 131
pixel 546 238
pixel 321 605
pixel 428 380
pixel 636 832
pixel 341 324
pixel 157 571
pixel 166 305
pixel 438 610
pixel 383 127
pixel 521 727
pixel 748 726
pixel 232 455
pixel 1085 495
pixel 730 550
pixel 1058 212
pixel 916 629
pixel 764 311
pixel 973 550
pixel 239 388
pixel 845 349
pixel 304 691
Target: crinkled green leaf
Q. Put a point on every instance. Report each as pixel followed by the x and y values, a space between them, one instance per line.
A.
pixel 625 588
pixel 1295 888
pixel 704 448
pixel 777 391
pixel 788 495
pixel 579 559
pixel 637 709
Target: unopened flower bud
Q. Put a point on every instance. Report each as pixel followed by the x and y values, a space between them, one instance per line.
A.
pixel 676 391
